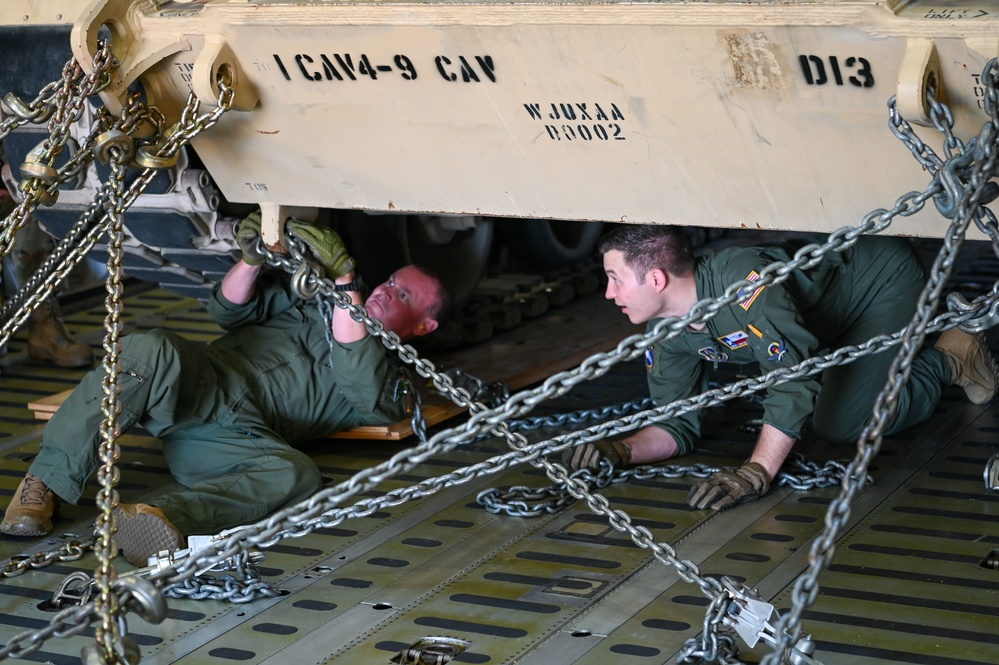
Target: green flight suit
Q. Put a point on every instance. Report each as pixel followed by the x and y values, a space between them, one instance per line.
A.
pixel 869 289
pixel 228 413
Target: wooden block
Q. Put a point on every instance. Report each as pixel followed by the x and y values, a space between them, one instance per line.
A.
pixel 432 413
pixel 44 407
pixel 518 358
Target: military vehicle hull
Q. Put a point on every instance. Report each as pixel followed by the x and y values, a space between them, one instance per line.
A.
pixel 424 126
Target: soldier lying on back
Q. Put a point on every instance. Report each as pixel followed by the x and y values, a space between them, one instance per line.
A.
pixel 229 412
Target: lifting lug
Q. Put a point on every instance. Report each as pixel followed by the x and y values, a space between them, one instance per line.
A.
pixel 919 71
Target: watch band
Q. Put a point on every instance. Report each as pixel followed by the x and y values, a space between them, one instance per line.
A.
pixel 354 285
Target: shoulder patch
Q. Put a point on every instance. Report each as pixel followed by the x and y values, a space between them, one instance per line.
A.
pixel 748 292
pixel 650 359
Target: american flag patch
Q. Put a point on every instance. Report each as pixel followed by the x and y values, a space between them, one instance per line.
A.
pixel 744 292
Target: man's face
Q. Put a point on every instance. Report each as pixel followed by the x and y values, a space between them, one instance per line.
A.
pixel 402 303
pixel 634 294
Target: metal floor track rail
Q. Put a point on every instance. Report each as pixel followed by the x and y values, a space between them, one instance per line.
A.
pixel 906 585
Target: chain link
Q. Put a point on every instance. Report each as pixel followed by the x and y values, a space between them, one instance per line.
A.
pixel 66 101
pixel 245 586
pixel 67 623
pixel 716 643
pixel 84 234
pixel 57 265
pixel 322 510
pixel 115 200
pixel 965 185
pixel 71 551
pixel 964 193
pixel 62 260
pixel 580 416
pixel 797 473
pixel 106 604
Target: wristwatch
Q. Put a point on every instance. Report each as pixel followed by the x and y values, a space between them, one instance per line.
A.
pixel 354 285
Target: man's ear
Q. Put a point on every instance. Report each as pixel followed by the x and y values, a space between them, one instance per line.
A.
pixel 658 278
pixel 426 327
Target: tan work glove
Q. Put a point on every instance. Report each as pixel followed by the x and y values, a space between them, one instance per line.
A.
pixel 247 235
pixel 726 488
pixel 588 455
pixel 327 247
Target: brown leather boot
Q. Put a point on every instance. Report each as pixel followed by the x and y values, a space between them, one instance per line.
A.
pixel 972 365
pixel 30 511
pixel 144 531
pixel 49 340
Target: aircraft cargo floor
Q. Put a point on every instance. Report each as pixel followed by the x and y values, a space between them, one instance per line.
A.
pixel 909 582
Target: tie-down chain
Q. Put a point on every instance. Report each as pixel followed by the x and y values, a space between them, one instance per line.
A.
pixel 316 511
pixel 486 420
pixel 964 192
pixel 873 223
pixel 111 143
pixel 797 473
pixel 243 586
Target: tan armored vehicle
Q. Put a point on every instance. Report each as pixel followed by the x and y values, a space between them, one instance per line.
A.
pixel 437 118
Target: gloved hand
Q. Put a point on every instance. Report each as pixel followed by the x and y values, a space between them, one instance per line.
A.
pixel 726 488
pixel 587 456
pixel 247 234
pixel 326 246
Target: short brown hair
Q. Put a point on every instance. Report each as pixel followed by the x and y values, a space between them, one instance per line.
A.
pixel 649 246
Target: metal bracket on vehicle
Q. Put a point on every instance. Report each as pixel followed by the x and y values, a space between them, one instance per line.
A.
pixel 135 54
pixel 216 63
pixel 272 219
pixel 920 70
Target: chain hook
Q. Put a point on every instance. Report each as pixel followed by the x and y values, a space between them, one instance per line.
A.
pixel 304 281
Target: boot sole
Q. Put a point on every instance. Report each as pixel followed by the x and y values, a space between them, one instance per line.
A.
pixel 24 530
pixel 979 394
pixel 144 536
pixel 979 372
pixel 983 388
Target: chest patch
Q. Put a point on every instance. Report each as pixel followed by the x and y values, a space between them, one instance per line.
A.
pixel 748 292
pixel 735 340
pixel 650 359
pixel 712 354
pixel 777 350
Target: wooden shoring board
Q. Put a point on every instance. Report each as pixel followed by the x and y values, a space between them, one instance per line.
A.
pixel 558 341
